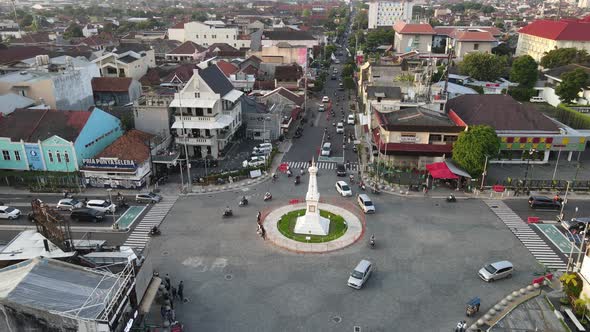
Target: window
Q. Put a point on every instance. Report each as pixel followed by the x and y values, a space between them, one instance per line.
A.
pixel 209 110
pixel 50 156
pixel 226 36
pixel 450 139
pixel 58 157
pixel 6 154
pixel 67 157
pixel 197 36
pixel 476 47
pixel 197 95
pixel 435 138
pixel 205 36
pixel 16 155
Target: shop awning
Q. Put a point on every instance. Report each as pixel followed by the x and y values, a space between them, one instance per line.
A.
pixel 446 170
pixel 440 171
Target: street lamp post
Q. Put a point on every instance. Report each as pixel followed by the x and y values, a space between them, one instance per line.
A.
pixel 483 175
pixel 111 200
pixel 556 163
pixel 528 164
pixel 567 189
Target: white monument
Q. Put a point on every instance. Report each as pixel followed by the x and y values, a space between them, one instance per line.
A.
pixel 312 223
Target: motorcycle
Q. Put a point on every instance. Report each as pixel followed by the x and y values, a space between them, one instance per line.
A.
pixel 375 190
pixel 372 242
pixel 289 173
pixel 297 180
pixel 451 199
pixel 228 213
pixel 362 186
pixel 243 201
pixel 155 231
pixel 267 196
pixel 354 149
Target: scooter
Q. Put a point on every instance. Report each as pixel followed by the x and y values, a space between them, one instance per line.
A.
pixel 297 180
pixel 267 196
pixel 228 213
pixel 372 242
pixel 362 186
pixel 289 173
pixel 451 199
pixel 243 201
pixel 375 190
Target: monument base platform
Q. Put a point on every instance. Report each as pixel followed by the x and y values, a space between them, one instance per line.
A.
pixel 312 224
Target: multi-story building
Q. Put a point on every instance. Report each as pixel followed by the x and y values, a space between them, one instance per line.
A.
pixel 545 35
pixel 61 83
pixel 464 40
pixel 58 141
pixel 387 13
pixel 287 36
pixel 129 60
pixel 207 112
pixel 152 113
pixel 413 37
pixel 208 33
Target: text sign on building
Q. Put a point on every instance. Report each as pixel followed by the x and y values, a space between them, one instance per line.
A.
pixel 408 139
pixel 34 157
pixel 109 163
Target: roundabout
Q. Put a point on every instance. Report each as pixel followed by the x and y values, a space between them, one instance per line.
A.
pixel 352 230
pixel 287 223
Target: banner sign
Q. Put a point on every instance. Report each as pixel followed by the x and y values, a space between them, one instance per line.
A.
pixel 109 163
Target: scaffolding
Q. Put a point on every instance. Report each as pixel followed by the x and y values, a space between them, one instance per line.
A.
pixel 52 225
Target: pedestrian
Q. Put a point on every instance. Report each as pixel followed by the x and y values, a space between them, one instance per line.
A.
pixel 263 233
pixel 163 311
pixel 167 281
pixel 173 291
pixel 180 291
pixel 459 326
pixel 258 217
pixel 464 326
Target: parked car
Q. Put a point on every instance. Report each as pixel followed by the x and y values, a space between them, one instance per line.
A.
pixel 101 205
pixel 262 148
pixel 538 99
pixel 360 274
pixel 495 271
pixel 10 213
pixel 333 77
pixel 340 170
pixel 321 108
pixel 340 128
pixel 350 119
pixel 87 214
pixel 69 204
pixel 343 188
pixel 254 162
pixel 326 99
pixel 544 202
pixel 575 225
pixel 148 198
pixel 327 149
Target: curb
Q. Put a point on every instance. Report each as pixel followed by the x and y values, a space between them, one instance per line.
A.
pixel 224 188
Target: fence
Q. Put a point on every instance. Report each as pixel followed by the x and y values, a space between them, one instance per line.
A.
pixel 43 181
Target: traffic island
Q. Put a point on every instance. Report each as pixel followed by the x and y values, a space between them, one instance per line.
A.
pixel 345 229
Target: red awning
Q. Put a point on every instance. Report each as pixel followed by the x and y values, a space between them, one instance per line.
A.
pixel 440 171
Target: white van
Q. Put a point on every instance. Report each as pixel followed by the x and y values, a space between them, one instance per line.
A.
pixel 262 148
pixel 360 274
pixel 327 149
pixel 101 205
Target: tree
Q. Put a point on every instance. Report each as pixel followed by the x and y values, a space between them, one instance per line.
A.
pixel 564 56
pixel 521 93
pixel 329 50
pixel 503 49
pixel 73 31
pixel 472 147
pixel 571 85
pixel 524 71
pixel 347 70
pixel 306 13
pixel 483 66
pixel 348 82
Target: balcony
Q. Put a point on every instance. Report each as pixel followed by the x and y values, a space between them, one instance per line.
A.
pixel 195 140
pixel 190 118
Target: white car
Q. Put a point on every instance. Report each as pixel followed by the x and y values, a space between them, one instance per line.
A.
pixel 350 119
pixel 326 99
pixel 254 162
pixel 101 205
pixel 68 204
pixel 10 213
pixel 327 149
pixel 340 128
pixel 343 188
pixel 537 99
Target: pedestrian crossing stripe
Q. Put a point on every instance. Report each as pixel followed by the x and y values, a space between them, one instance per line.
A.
pixel 140 235
pixel 536 245
pixel 319 165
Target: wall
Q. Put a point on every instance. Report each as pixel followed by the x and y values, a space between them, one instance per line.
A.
pixel 203 34
pixel 55 146
pixel 463 48
pixel 176 34
pixel 387 13
pixel 306 43
pixel 11 147
pixel 134 90
pixel 153 119
pixel 283 55
pixel 421 43
pixel 73 89
pixel 100 123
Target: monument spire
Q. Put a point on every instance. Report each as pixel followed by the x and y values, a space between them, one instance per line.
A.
pixel 312 223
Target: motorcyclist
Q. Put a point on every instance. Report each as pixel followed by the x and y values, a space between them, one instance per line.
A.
pixel 227 211
pixel 372 240
pixel 244 201
pixel 267 195
pixel 155 230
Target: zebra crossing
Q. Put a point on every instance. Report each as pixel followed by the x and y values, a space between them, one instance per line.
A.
pixel 531 240
pixel 140 235
pixel 320 165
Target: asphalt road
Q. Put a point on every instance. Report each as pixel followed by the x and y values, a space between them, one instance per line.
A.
pixel 314 136
pixel 427 257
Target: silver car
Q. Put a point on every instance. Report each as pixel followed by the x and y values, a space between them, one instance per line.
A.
pixel 495 271
pixel 148 198
pixel 69 204
pixel 360 274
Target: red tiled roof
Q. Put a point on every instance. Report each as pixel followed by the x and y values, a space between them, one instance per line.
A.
pixel 187 48
pixel 226 67
pixel 133 145
pixel 578 30
pixel 111 84
pixel 250 70
pixel 104 38
pixel 473 36
pixel 13 54
pixel 413 28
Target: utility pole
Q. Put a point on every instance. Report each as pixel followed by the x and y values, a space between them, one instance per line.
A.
pixel 188 166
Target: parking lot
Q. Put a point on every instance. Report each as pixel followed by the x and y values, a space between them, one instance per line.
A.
pixel 427 256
